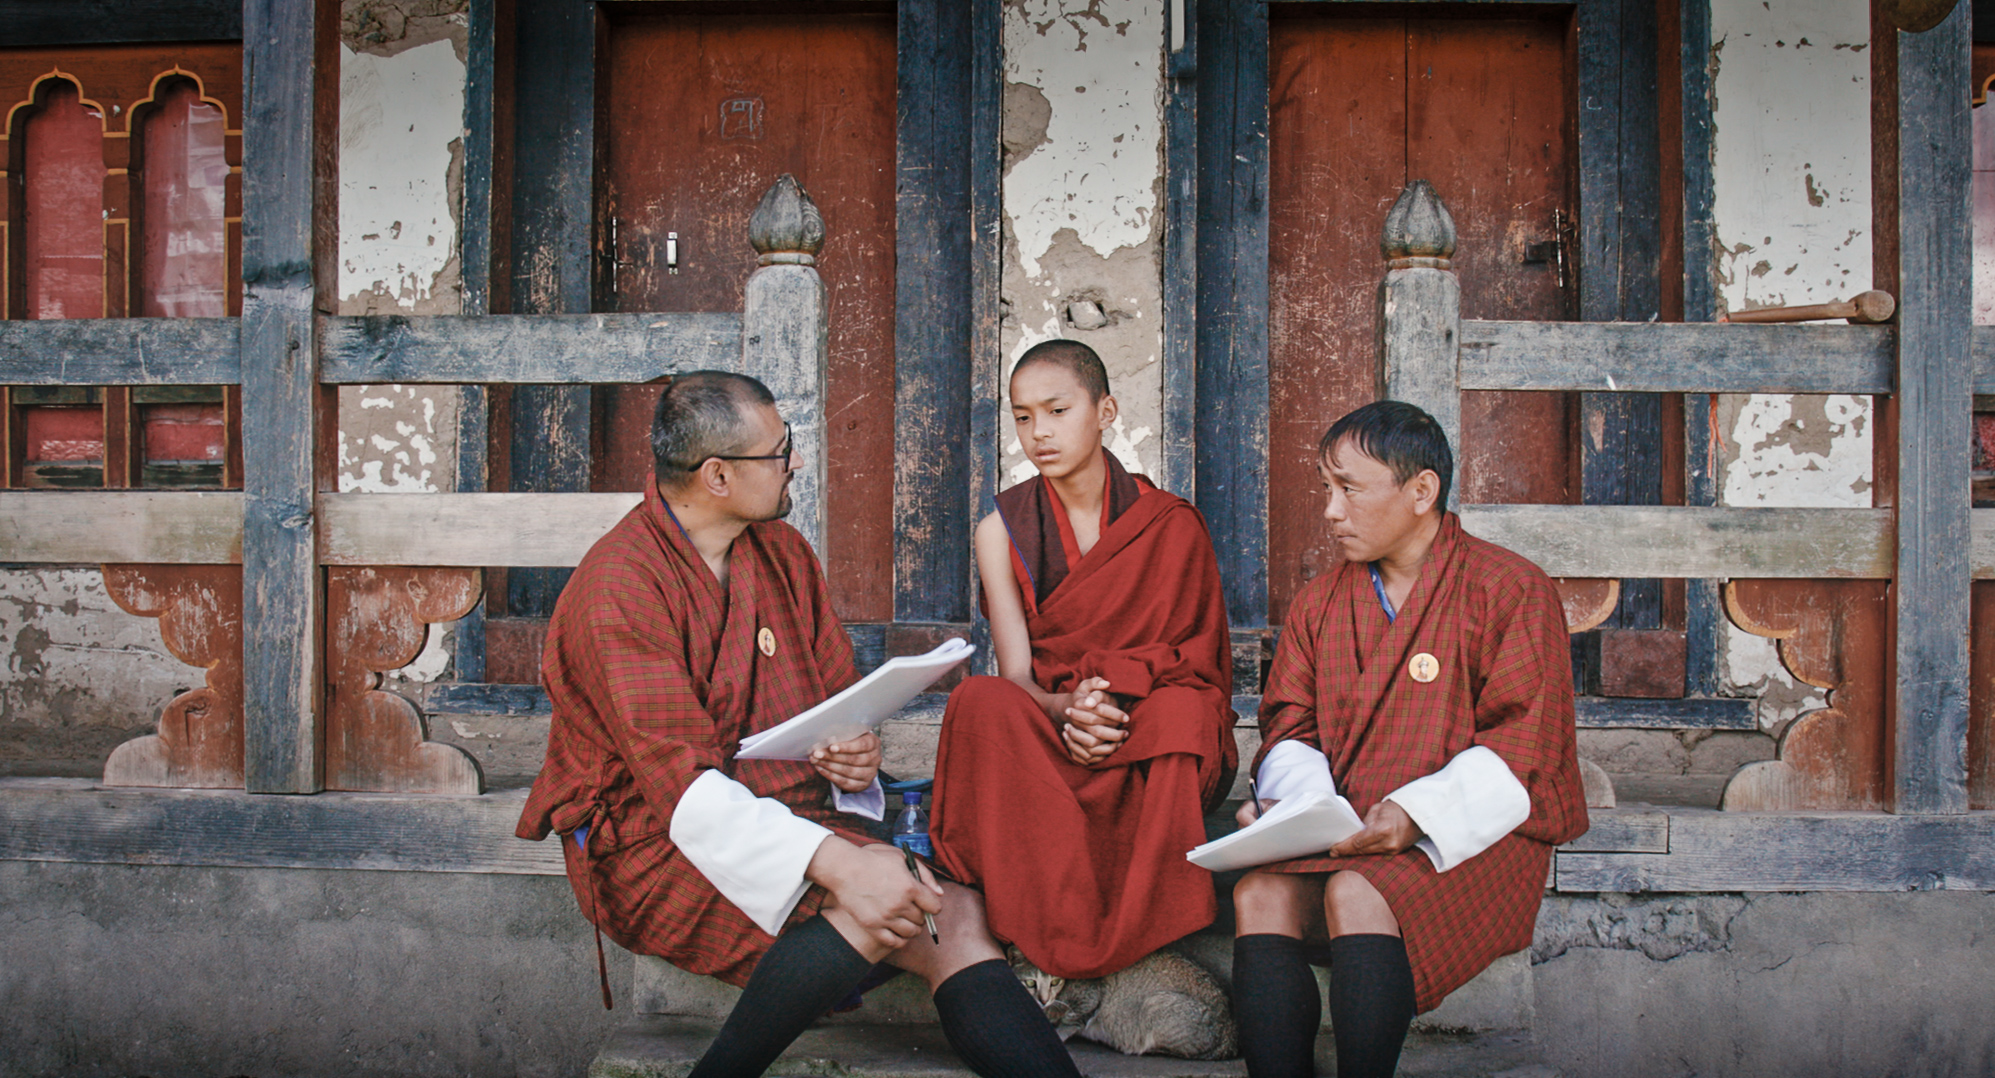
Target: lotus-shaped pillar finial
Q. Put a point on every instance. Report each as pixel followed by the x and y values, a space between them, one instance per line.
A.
pixel 786 227
pixel 1418 230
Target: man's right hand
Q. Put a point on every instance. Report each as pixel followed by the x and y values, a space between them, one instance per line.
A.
pixel 872 891
pixel 1251 811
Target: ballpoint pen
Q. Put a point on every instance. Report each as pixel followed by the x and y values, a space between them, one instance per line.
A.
pixel 914 869
pixel 1254 791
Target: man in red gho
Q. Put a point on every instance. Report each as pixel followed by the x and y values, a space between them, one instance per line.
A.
pixel 1069 787
pixel 698 620
pixel 1427 679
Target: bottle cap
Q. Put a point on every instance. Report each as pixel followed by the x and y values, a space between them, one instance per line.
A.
pixel 911 797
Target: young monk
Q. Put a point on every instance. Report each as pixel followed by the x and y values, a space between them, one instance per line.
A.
pixel 1428 680
pixel 698 620
pixel 1069 787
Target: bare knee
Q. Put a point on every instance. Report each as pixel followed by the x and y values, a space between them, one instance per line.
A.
pixel 965 939
pixel 1352 906
pixel 1271 903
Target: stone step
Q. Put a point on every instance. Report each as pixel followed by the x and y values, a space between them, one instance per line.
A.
pixel 1501 1000
pixel 661 1046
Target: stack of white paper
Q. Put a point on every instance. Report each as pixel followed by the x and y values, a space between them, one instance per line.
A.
pixel 869 702
pixel 1295 826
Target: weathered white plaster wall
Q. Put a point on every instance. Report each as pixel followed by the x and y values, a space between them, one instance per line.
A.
pixel 1083 183
pixel 77 675
pixel 402 79
pixel 1792 209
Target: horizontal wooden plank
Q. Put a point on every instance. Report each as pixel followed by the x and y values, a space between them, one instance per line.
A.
pixel 1724 851
pixel 1619 831
pixel 118 22
pixel 484 698
pixel 80 821
pixel 67 527
pixel 121 352
pixel 465 529
pixel 528 349
pixel 1702 357
pixel 1695 713
pixel 1691 541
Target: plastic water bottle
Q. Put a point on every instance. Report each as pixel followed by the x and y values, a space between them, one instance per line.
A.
pixel 911 826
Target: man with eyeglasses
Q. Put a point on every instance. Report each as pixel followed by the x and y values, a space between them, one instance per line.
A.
pixel 700 619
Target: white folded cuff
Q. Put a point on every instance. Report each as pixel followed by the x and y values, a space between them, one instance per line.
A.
pixel 1465 807
pixel 870 802
pixel 1293 768
pixel 754 850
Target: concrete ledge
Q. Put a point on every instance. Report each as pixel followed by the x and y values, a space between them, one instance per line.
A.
pixel 656 1046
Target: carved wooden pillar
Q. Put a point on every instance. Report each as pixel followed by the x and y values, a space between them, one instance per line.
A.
pixel 378 619
pixel 199 743
pixel 783 334
pixel 1420 320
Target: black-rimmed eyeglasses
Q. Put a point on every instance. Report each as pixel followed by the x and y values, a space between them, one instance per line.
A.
pixel 787 447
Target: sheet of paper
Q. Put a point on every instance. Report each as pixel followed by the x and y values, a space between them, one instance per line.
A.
pixel 1294 827
pixel 863 706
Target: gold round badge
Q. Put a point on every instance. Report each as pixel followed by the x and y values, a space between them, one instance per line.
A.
pixel 766 640
pixel 1424 668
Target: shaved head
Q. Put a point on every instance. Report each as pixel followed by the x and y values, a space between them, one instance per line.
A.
pixel 1073 357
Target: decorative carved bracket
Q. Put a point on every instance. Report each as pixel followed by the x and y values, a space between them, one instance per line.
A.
pixel 199 743
pixel 1835 635
pixel 377 619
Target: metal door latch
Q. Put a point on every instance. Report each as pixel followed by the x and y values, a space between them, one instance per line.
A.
pixel 672 252
pixel 1553 251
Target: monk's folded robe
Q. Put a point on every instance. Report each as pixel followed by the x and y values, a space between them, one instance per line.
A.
pixel 1501 682
pixel 656 675
pixel 1083 867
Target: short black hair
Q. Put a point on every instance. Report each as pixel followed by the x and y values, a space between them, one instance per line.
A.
pixel 1075 358
pixel 1399 436
pixel 702 414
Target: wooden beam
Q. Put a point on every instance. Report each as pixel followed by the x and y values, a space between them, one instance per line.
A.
pixel 1231 435
pixel 75 820
pixel 1736 851
pixel 38 23
pixel 1690 713
pixel 1691 541
pixel 120 352
pixel 933 313
pixel 1177 465
pixel 466 529
pixel 987 82
pixel 1934 401
pixel 1420 310
pixel 575 349
pixel 1622 831
pixel 1645 357
pixel 282 593
pixel 84 527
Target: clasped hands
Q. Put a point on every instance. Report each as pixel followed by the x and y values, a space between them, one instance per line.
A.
pixel 1093 727
pixel 1388 829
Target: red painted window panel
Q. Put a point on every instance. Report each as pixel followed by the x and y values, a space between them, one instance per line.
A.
pixel 63 211
pixel 64 434
pixel 183 432
pixel 185 267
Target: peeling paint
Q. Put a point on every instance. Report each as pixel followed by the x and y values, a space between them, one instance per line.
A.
pixel 1083 116
pixel 77 675
pixel 401 131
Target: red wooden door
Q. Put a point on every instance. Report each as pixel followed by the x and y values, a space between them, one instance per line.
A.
pixel 1482 108
pixel 702 112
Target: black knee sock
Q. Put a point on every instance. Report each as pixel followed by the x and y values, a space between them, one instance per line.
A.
pixel 1371 1003
pixel 808 970
pixel 1277 1006
pixel 992 1022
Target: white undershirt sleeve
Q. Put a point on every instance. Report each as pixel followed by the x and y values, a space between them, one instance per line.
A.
pixel 1293 768
pixel 870 802
pixel 1465 807
pixel 754 850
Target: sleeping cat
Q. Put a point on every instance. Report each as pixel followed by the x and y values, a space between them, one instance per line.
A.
pixel 1165 1004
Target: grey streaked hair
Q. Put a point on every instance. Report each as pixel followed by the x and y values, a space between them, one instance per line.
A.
pixel 700 415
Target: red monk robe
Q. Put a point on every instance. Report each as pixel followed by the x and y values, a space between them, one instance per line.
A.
pixel 1084 867
pixel 655 676
pixel 1340 683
